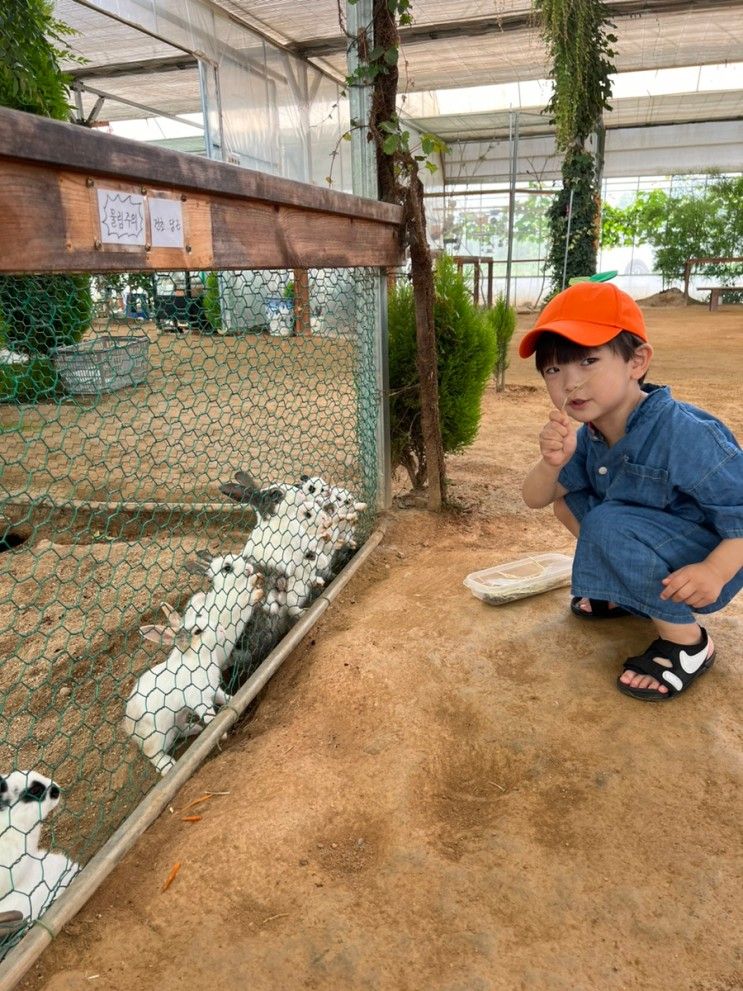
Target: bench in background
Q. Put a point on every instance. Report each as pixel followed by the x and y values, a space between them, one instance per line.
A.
pixel 715 293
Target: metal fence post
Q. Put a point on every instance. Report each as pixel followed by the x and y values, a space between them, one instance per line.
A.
pixel 364 176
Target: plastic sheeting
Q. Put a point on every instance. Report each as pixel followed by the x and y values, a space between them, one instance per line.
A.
pixel 264 109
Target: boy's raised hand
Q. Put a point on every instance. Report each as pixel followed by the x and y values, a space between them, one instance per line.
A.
pixel 557 440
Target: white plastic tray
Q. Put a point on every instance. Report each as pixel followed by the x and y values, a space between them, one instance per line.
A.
pixel 528 575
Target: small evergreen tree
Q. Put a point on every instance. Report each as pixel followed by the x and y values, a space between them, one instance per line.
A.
pixel 466 352
pixel 502 321
pixel 212 306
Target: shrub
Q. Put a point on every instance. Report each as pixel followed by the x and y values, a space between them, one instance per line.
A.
pixel 502 321
pixel 30 382
pixel 466 352
pixel 212 307
pixel 38 313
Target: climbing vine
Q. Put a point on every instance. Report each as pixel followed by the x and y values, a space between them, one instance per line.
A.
pixel 579 44
pixel 32 45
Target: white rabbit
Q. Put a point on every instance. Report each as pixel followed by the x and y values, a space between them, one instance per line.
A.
pixel 299 541
pixel 267 501
pixel 275 539
pixel 306 578
pixel 30 878
pixel 313 485
pixel 344 509
pixel 168 699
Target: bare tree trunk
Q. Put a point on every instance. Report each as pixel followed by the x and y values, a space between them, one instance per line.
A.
pixel 426 351
pixel 384 101
pixel 410 193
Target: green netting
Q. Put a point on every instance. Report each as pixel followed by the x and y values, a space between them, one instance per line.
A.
pixel 206 440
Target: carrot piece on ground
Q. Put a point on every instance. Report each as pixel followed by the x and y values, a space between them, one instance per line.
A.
pixel 171 877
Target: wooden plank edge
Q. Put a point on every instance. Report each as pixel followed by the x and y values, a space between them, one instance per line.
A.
pixel 32 139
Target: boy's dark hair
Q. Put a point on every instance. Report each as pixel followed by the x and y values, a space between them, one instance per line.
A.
pixel 554 349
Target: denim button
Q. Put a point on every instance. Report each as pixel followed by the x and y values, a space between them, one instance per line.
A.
pixel 603 470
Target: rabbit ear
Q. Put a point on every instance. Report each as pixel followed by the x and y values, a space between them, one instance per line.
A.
pixel 172 615
pixel 204 555
pixel 196 568
pixel 239 493
pixel 158 634
pixel 247 480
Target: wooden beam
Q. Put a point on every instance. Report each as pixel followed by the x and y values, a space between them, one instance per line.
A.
pixel 31 139
pixel 49 222
pixel 231 218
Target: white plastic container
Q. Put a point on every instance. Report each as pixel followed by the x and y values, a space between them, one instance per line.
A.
pixel 528 575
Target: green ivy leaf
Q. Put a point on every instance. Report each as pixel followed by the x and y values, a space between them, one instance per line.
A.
pixel 391 144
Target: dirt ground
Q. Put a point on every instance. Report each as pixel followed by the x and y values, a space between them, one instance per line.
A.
pixel 438 794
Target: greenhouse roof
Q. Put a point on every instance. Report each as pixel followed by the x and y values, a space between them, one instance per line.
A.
pixel 452 44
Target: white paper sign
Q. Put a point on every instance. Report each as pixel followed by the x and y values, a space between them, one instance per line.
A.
pixel 166 218
pixel 121 216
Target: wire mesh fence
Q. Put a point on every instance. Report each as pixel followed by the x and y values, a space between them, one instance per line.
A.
pixel 188 460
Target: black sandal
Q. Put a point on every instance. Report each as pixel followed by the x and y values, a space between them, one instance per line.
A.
pixel 600 609
pixel 687 664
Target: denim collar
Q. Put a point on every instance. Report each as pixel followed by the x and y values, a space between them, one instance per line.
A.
pixel 655 397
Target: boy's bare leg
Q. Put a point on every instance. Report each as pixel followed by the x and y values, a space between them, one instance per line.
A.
pixel 564 515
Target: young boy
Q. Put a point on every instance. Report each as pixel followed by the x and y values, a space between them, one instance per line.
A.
pixel 651 487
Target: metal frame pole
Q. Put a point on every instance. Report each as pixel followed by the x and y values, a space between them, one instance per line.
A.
pixel 567 239
pixel 513 138
pixel 364 178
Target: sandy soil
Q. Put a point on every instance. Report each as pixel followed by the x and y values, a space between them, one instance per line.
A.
pixel 436 793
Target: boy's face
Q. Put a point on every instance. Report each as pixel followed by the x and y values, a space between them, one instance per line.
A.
pixel 599 384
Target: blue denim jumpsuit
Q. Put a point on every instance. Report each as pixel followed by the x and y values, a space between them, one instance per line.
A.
pixel 663 496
